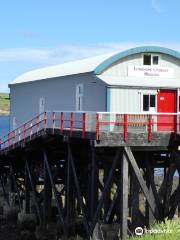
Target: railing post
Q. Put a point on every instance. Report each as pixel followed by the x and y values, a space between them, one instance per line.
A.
pixel 175 123
pixel 71 123
pixel 9 140
pixel 38 122
pixel 19 134
pixel 45 120
pixel 84 125
pixel 14 138
pixel 62 122
pixel 24 132
pixel 53 121
pixel 4 143
pixel 150 128
pixel 31 130
pixel 125 127
pixel 97 126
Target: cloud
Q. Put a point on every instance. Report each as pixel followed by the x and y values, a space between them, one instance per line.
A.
pixel 15 61
pixel 69 52
pixel 64 53
pixel 156 6
pixel 61 53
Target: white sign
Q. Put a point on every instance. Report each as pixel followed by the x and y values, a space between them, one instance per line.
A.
pixel 150 71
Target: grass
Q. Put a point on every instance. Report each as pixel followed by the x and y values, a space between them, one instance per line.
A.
pixel 4 104
pixel 169 230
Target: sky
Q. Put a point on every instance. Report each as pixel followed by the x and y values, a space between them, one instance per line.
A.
pixel 40 33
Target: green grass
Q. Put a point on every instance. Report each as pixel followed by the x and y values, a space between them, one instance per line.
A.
pixel 170 230
pixel 4 103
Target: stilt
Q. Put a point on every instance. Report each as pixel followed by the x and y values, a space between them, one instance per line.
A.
pixel 134 203
pixel 94 182
pixel 124 197
pixel 49 171
pixel 47 195
pixel 31 181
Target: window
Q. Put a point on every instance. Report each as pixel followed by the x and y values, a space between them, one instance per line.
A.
pixel 79 97
pixel 147 60
pixel 149 102
pixel 14 123
pixel 41 105
pixel 155 60
pixel 150 60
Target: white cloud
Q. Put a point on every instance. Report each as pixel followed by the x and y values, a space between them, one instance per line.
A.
pixel 65 53
pixel 60 54
pixel 156 6
pixel 15 61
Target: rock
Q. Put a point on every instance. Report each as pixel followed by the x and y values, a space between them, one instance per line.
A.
pixel 10 213
pixel 27 235
pixel 27 221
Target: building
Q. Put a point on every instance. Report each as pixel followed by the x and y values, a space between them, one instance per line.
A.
pixel 140 80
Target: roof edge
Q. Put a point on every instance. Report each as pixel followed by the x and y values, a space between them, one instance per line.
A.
pixel 113 59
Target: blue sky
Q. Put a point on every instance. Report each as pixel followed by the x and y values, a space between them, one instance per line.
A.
pixel 45 32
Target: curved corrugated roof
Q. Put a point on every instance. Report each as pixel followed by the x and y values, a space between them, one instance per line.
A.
pixel 64 69
pixel 96 64
pixel 117 57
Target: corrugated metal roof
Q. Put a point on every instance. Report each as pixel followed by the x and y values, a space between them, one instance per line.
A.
pixel 117 57
pixel 64 69
pixel 96 64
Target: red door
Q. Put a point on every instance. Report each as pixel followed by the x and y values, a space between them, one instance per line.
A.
pixel 166 103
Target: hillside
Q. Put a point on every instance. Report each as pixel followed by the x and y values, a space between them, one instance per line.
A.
pixel 4 104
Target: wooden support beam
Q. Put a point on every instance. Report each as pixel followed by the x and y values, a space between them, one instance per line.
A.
pixel 15 185
pixel 3 189
pixel 152 190
pixel 100 186
pixel 141 181
pixel 94 182
pixel 169 175
pixel 33 191
pixel 107 200
pixel 174 201
pixel 134 201
pixel 111 211
pixel 168 191
pixel 11 180
pixel 27 190
pixel 148 213
pixel 69 194
pixel 47 197
pixel 115 208
pixel 49 170
pixel 106 187
pixel 79 194
pixel 124 197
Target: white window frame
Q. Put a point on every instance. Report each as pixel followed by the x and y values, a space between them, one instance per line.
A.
pixel 151 92
pixel 42 106
pixel 79 96
pixel 152 55
pixel 14 123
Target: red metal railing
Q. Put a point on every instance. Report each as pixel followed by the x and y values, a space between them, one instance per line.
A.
pixel 126 123
pixel 66 121
pixel 120 123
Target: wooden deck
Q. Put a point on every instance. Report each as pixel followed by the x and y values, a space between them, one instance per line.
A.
pixel 91 170
pixel 103 130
